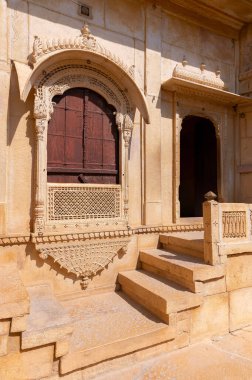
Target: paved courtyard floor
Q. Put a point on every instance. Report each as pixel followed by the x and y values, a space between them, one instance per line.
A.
pixel 226 357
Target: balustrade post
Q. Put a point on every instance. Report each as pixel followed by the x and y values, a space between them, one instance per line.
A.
pixel 211 231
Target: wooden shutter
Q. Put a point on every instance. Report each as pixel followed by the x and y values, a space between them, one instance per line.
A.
pixel 83 141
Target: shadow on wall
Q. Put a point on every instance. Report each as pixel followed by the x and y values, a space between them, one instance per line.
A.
pixel 20 116
pixel 110 21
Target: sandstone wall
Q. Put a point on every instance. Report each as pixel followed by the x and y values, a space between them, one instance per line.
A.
pixel 153 42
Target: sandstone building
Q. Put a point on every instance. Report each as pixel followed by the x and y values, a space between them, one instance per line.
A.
pixel 116 118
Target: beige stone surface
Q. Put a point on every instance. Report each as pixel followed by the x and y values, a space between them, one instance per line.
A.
pixel 3 345
pixel 28 365
pixel 109 325
pixel 48 322
pixel 240 302
pixel 211 318
pixel 19 323
pixel 188 243
pixel 156 293
pixel 4 327
pixel 14 300
pixel 239 271
pixel 224 359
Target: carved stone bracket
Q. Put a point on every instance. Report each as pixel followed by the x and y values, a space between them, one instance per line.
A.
pixel 84 258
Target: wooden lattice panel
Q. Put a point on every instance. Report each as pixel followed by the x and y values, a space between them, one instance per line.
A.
pixel 78 202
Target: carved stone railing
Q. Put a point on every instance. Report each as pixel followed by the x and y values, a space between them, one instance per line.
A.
pixel 227 229
pixel 78 202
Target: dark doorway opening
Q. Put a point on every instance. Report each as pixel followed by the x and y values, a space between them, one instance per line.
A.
pixel 198 164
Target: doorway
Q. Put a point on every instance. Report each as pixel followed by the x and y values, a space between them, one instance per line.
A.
pixel 198 164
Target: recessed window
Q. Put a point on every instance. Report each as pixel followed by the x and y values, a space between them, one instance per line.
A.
pixel 85 10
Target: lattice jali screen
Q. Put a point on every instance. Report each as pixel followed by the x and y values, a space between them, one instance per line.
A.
pixel 76 202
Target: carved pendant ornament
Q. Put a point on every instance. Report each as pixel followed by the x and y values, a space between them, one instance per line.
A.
pixel 84 259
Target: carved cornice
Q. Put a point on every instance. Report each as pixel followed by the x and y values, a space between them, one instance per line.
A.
pixel 85 42
pixel 171 228
pixel 198 75
pixel 14 240
pixel 214 95
pixel 84 259
pixel 93 235
pixel 71 237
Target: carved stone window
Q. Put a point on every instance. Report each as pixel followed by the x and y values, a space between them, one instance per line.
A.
pixel 56 79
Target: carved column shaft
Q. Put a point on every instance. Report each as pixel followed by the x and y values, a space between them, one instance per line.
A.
pixel 39 184
pixel 127 132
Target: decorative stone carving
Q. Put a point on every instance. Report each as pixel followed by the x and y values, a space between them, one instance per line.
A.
pixel 40 108
pixel 55 81
pixel 75 236
pixel 234 224
pixel 79 201
pixel 84 42
pixel 85 258
pixel 127 129
pixel 198 75
pixel 40 127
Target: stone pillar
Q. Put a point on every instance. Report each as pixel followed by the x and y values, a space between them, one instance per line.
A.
pixel 211 232
pixel 153 206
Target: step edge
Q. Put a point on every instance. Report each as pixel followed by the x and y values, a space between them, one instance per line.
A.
pixel 171 332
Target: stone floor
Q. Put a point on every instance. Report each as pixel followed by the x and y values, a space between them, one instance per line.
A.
pixel 227 357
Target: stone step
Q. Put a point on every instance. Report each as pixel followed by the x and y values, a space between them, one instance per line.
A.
pixel 187 271
pixel 48 321
pixel 107 326
pixel 187 243
pixel 162 297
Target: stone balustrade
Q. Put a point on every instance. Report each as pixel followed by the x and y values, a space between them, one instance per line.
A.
pixel 227 230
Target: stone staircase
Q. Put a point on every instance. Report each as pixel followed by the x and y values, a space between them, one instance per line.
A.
pixel 172 278
pixel 152 309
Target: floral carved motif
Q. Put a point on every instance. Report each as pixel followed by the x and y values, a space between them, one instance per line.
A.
pixel 84 259
pixel 84 42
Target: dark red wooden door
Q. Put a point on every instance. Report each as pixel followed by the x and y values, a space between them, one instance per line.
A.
pixel 83 140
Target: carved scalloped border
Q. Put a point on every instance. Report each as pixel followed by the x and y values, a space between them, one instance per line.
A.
pixel 85 42
pixel 75 236
pixel 200 75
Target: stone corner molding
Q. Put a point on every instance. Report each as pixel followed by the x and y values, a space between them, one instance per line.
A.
pixel 84 259
pixel 85 41
pixel 199 75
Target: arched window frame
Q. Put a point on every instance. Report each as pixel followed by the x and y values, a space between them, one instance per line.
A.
pixel 55 81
